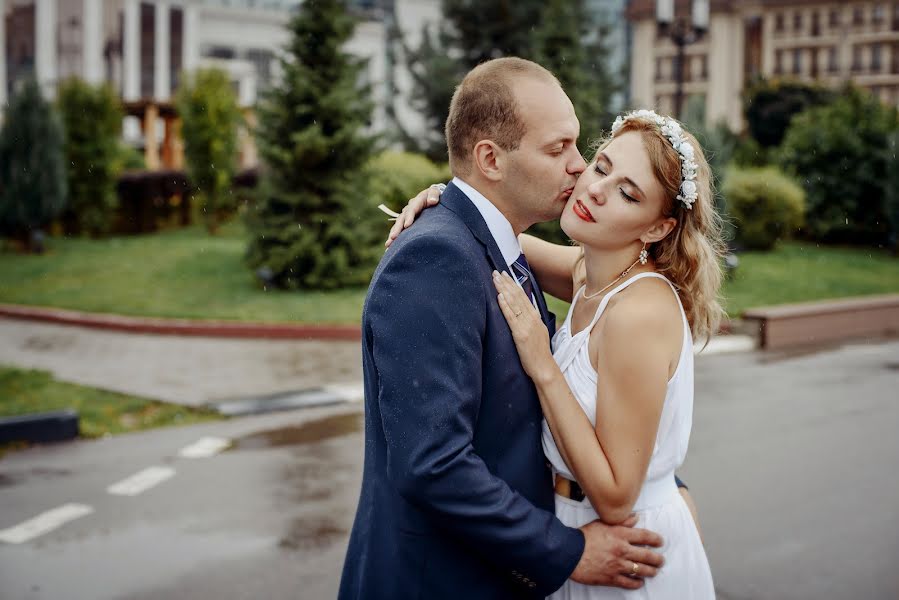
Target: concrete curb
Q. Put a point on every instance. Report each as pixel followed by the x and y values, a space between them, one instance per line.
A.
pixel 187 327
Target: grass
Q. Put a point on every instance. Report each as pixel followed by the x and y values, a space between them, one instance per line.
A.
pixel 101 412
pixel 189 274
pixel 182 273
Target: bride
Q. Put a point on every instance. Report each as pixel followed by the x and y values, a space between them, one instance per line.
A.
pixel 616 381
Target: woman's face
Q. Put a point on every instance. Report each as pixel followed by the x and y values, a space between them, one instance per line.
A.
pixel 617 199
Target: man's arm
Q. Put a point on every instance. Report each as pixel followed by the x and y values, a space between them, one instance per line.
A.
pixel 427 320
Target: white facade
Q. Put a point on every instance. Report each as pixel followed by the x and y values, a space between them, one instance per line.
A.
pixel 134 45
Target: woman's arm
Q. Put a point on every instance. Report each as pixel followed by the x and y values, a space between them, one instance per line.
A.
pixel 609 461
pixel 552 265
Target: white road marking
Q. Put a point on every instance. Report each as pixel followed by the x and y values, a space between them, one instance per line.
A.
pixel 44 523
pixel 349 392
pixel 204 447
pixel 141 482
pixel 726 343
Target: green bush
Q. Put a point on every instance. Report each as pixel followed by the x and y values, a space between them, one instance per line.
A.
pixel 398 176
pixel 765 206
pixel 32 165
pixel 92 118
pixel 840 154
pixel 210 115
pixel 892 189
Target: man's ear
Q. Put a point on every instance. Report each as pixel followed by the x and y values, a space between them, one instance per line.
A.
pixel 659 230
pixel 490 160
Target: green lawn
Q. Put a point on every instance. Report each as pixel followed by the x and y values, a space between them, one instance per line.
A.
pixel 101 412
pixel 187 273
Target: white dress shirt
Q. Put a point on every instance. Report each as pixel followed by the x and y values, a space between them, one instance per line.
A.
pixel 497 223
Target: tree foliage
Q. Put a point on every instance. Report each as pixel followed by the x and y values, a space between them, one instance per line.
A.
pixel 92 120
pixel 840 153
pixel 209 120
pixel 307 227
pixel 770 105
pixel 32 167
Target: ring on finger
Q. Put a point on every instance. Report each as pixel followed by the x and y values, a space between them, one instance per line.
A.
pixel 636 568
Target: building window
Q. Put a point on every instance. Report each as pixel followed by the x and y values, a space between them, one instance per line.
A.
pixel 878 14
pixel 659 68
pixel 779 22
pixel 834 17
pixel 856 58
pixel 833 60
pixel 895 59
pixel 797 21
pixel 220 52
pixel 876 62
pixel 858 15
pixel 816 24
pixel 797 61
pixel 778 62
pixel 704 65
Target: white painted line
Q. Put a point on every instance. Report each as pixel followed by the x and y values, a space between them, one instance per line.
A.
pixel 44 523
pixel 727 343
pixel 204 447
pixel 348 392
pixel 141 482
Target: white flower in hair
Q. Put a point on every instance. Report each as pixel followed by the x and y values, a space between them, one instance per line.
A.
pixel 671 129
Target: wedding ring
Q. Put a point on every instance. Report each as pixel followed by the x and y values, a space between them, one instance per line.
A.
pixel 636 568
pixel 518 313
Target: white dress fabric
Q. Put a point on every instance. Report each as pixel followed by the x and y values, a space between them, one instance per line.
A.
pixel 660 507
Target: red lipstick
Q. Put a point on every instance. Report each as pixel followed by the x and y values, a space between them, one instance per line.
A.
pixel 581 211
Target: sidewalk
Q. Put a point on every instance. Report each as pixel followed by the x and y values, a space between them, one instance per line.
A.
pixel 196 371
pixel 186 370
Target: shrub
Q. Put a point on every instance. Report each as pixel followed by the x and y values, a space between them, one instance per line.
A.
pixel 892 189
pixel 765 206
pixel 398 176
pixel 840 154
pixel 210 115
pixel 770 105
pixel 32 168
pixel 92 118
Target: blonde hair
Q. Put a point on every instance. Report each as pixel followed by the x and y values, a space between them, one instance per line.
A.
pixel 690 256
pixel 484 107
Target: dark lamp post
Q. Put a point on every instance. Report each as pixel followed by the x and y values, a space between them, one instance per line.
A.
pixel 682 30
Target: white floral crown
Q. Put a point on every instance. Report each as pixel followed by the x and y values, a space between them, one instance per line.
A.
pixel 672 130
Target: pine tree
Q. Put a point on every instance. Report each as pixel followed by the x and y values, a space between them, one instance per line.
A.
pixel 210 116
pixel 92 119
pixel 307 227
pixel 32 167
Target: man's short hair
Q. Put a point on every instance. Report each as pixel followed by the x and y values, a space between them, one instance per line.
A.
pixel 484 107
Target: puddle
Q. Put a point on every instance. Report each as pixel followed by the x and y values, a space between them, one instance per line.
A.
pixel 312 533
pixel 307 433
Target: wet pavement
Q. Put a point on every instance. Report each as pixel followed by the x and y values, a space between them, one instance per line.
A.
pixel 790 464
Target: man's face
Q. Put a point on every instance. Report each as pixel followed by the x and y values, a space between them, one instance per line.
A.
pixel 542 172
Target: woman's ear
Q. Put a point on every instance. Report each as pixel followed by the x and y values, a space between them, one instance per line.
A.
pixel 659 230
pixel 489 160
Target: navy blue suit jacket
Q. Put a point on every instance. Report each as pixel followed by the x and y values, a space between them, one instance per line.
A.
pixel 457 499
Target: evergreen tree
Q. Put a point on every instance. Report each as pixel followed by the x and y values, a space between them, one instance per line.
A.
pixel 307 227
pixel 566 45
pixel 210 116
pixel 32 167
pixel 92 119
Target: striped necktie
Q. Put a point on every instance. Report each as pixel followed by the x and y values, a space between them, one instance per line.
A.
pixel 522 271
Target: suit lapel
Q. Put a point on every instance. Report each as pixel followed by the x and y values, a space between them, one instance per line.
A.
pixel 455 199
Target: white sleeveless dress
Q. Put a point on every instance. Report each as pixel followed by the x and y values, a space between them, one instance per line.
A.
pixel 660 507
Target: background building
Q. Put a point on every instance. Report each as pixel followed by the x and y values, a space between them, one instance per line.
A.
pixel 141 48
pixel 811 40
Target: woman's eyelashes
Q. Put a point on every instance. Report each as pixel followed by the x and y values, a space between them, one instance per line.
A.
pixel 601 171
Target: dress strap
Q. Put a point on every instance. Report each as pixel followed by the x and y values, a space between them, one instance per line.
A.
pixel 624 284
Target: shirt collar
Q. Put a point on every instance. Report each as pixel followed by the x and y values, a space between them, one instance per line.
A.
pixel 497 223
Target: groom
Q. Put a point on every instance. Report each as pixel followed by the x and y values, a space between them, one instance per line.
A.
pixel 457 498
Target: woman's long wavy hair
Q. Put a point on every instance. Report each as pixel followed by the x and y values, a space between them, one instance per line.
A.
pixel 691 255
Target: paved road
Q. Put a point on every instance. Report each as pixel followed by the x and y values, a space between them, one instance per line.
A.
pixel 793 465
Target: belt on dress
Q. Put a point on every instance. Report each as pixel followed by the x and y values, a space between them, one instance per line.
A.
pixel 569 489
